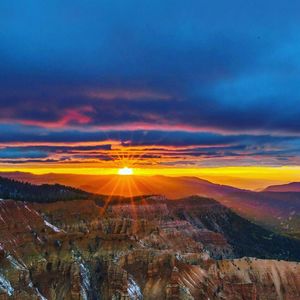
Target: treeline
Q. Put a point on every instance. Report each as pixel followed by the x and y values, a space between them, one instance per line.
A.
pixel 23 191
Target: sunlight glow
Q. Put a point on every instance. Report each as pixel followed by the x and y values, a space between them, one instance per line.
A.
pixel 125 171
pixel 245 177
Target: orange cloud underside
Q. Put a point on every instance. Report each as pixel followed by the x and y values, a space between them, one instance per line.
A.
pixel 148 160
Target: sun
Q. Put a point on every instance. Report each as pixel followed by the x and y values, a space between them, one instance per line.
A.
pixel 125 171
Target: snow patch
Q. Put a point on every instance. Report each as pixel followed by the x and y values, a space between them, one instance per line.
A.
pixel 15 263
pixel 85 285
pixel 27 208
pixel 39 294
pixel 39 239
pixel 133 289
pixel 85 280
pixel 37 291
pixel 6 285
pixel 54 228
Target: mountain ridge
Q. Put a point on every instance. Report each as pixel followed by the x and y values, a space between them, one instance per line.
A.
pixel 273 210
pixel 289 187
pixel 143 247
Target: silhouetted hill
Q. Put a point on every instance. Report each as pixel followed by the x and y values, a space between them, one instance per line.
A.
pixel 11 189
pixel 171 187
pixel 274 210
pixel 290 187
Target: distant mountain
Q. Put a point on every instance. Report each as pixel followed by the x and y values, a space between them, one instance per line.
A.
pixel 201 212
pixel 273 210
pixel 290 187
pixel 171 187
pixel 16 190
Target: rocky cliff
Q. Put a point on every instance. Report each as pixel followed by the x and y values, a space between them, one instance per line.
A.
pixel 144 248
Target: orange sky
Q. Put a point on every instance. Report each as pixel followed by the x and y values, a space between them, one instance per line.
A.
pixel 252 177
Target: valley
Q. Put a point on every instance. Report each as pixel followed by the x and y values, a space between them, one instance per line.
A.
pixel 146 247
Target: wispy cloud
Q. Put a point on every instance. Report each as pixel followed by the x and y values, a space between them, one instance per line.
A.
pixel 183 84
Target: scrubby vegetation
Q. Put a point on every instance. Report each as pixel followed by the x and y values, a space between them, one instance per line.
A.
pixel 246 238
pixel 11 189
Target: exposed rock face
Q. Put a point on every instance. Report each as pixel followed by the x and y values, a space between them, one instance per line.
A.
pixel 148 249
pixel 276 208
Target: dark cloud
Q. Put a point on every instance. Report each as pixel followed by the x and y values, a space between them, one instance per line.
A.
pixel 165 74
pixel 144 147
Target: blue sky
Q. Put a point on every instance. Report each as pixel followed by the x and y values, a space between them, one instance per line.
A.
pixel 223 75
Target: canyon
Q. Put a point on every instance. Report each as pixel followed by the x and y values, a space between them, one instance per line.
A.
pixel 274 208
pixel 146 247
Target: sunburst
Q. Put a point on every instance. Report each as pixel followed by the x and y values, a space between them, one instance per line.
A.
pixel 125 171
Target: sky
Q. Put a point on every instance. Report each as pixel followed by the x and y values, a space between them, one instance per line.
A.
pixel 164 85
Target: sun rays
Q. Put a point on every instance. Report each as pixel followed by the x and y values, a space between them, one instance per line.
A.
pixel 127 190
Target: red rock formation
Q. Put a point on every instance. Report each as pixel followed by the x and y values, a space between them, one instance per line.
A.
pixel 76 250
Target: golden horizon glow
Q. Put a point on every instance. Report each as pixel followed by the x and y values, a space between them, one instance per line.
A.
pixel 248 177
pixel 125 171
